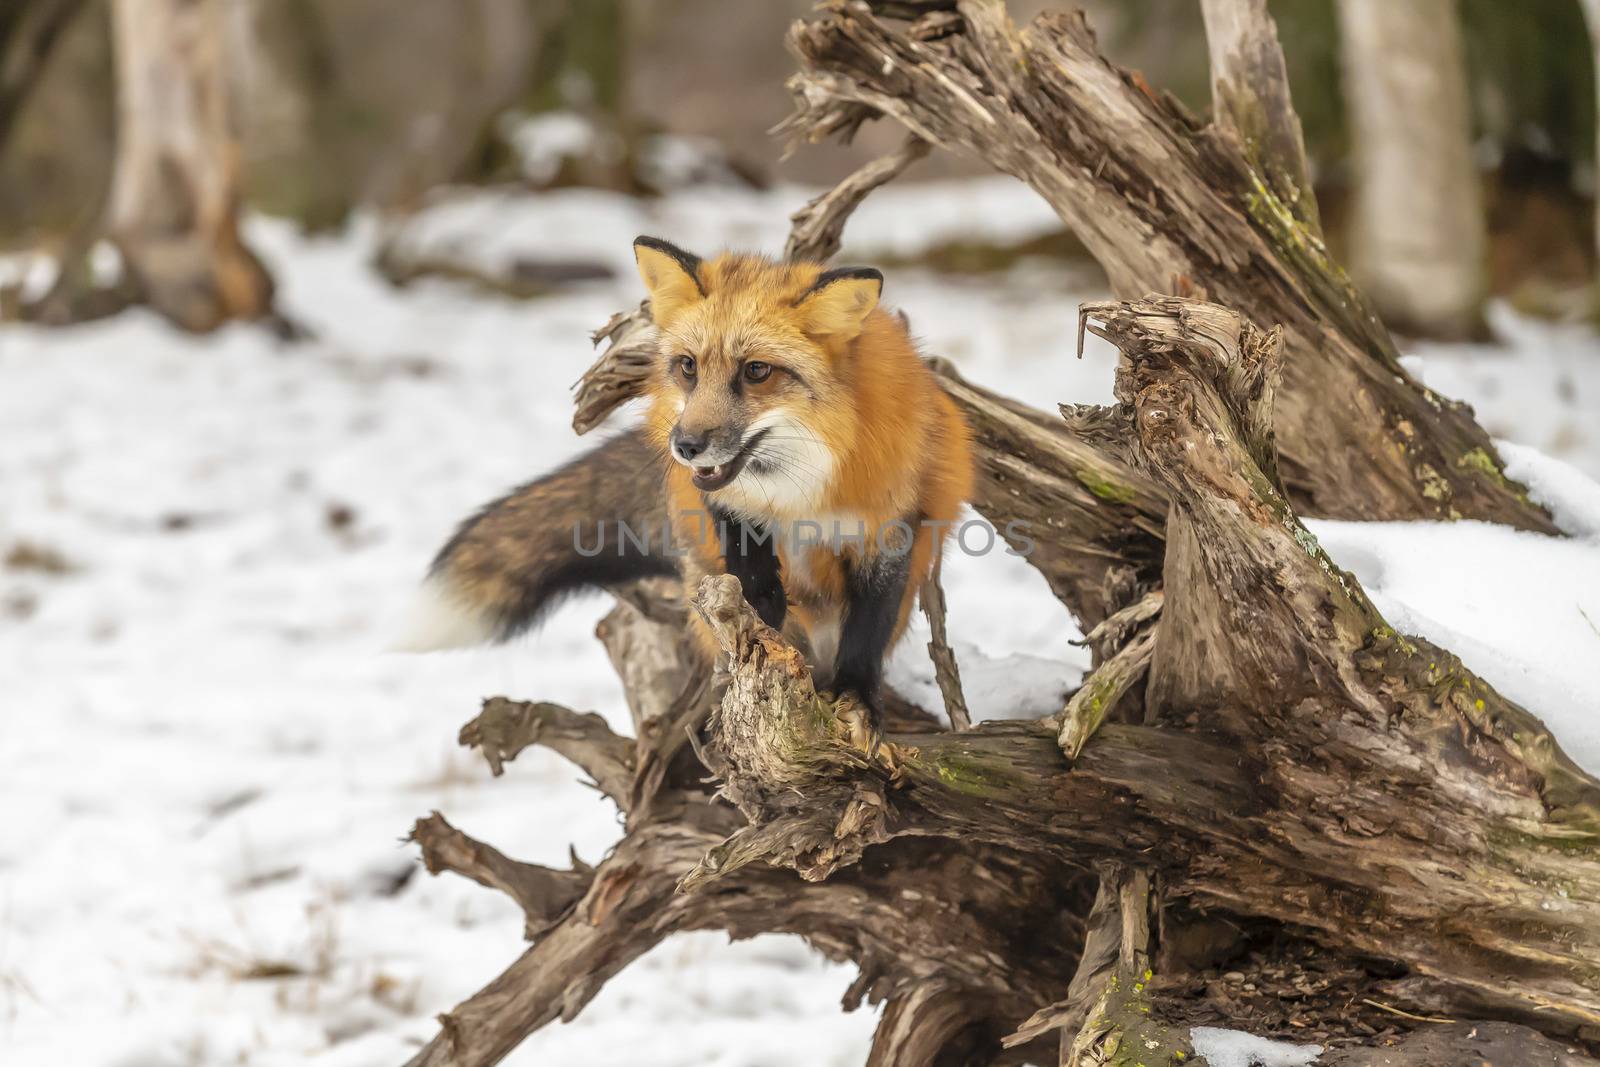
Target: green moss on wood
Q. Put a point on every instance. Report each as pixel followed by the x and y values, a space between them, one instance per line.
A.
pixel 1480 462
pixel 1511 845
pixel 1434 485
pixel 1126 1031
pixel 1433 685
pixel 1086 711
pixel 1104 488
pixel 1305 248
pixel 966 773
pixel 963 776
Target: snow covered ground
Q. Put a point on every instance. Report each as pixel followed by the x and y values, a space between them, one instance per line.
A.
pixel 207 760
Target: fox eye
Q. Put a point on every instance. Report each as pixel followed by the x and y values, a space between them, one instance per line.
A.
pixel 756 371
pixel 686 366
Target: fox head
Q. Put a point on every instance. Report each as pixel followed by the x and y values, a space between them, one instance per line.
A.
pixel 752 391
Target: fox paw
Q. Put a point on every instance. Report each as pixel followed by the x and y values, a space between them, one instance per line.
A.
pixel 865 734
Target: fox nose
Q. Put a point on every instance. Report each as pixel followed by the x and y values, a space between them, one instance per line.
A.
pixel 688 446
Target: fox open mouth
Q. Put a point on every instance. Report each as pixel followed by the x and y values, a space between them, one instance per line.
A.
pixel 709 479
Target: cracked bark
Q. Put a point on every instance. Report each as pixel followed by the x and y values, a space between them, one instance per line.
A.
pixel 924 909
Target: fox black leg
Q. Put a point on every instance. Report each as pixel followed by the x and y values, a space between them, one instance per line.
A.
pixel 874 590
pixel 750 554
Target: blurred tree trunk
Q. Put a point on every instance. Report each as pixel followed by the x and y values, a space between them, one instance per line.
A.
pixel 28 34
pixel 282 81
pixel 1418 237
pixel 1591 15
pixel 175 192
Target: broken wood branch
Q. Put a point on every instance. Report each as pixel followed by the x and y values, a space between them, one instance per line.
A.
pixel 505 727
pixel 1250 96
pixel 543 893
pixel 817 229
pixel 945 670
pixel 1103 690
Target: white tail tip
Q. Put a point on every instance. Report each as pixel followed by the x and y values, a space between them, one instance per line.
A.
pixel 438 619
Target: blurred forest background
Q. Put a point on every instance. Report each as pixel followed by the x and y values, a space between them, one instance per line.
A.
pixel 339 105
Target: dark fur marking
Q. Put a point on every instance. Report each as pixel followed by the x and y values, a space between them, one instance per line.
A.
pixel 875 587
pixel 749 551
pixel 580 575
pixel 839 274
pixel 687 260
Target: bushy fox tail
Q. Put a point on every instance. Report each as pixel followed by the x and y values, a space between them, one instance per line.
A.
pixel 510 563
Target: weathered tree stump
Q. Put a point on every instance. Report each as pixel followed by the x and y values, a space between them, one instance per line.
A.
pixel 1258 768
pixel 1308 768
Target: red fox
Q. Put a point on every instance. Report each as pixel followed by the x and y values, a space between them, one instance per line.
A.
pixel 794 439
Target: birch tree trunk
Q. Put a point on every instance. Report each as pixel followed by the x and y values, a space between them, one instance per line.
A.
pixel 1418 237
pixel 173 211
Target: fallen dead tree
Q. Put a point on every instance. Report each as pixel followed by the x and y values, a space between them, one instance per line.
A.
pixel 1259 773
pixel 1305 766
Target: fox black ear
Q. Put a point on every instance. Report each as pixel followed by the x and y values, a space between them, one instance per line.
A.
pixel 839 301
pixel 670 274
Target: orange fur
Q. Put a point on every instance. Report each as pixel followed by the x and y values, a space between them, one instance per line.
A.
pixel 861 433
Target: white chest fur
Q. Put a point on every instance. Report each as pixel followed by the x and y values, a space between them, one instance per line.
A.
pixel 809 545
